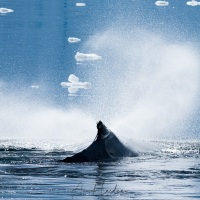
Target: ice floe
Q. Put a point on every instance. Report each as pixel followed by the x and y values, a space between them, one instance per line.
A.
pixel 35 86
pixel 73 40
pixel 74 85
pixel 80 57
pixel 80 4
pixel 162 3
pixel 5 10
pixel 193 3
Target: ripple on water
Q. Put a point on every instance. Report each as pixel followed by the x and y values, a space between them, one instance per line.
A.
pixel 35 173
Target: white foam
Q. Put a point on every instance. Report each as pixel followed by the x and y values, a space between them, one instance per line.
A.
pixel 80 4
pixel 5 10
pixel 73 40
pixel 162 3
pixel 80 57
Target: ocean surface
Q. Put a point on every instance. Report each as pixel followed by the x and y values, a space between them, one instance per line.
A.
pixel 29 169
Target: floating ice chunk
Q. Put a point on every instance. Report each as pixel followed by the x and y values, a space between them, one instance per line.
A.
pixel 73 79
pixel 74 84
pixel 72 90
pixel 72 95
pixel 35 86
pixel 162 3
pixel 81 4
pixel 193 3
pixel 5 10
pixel 85 57
pixel 73 40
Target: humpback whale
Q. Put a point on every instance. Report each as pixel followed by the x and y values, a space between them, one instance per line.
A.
pixel 106 146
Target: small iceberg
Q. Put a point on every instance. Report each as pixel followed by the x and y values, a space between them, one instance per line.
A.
pixel 35 86
pixel 193 3
pixel 162 3
pixel 73 40
pixel 80 57
pixel 74 85
pixel 80 4
pixel 5 10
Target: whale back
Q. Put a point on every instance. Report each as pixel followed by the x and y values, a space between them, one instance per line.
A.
pixel 106 146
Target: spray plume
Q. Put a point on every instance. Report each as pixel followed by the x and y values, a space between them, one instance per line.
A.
pixel 145 85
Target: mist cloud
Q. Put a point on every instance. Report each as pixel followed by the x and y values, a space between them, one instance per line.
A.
pixel 21 118
pixel 146 86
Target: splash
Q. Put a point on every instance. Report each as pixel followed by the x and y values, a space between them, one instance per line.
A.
pixel 21 118
pixel 145 85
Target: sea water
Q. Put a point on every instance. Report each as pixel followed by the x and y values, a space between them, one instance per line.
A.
pixel 30 170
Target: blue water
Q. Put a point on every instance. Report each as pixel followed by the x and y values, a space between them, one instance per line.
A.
pixel 148 80
pixel 34 49
pixel 29 170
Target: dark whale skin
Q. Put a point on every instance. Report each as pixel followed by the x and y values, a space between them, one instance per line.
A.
pixel 106 146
